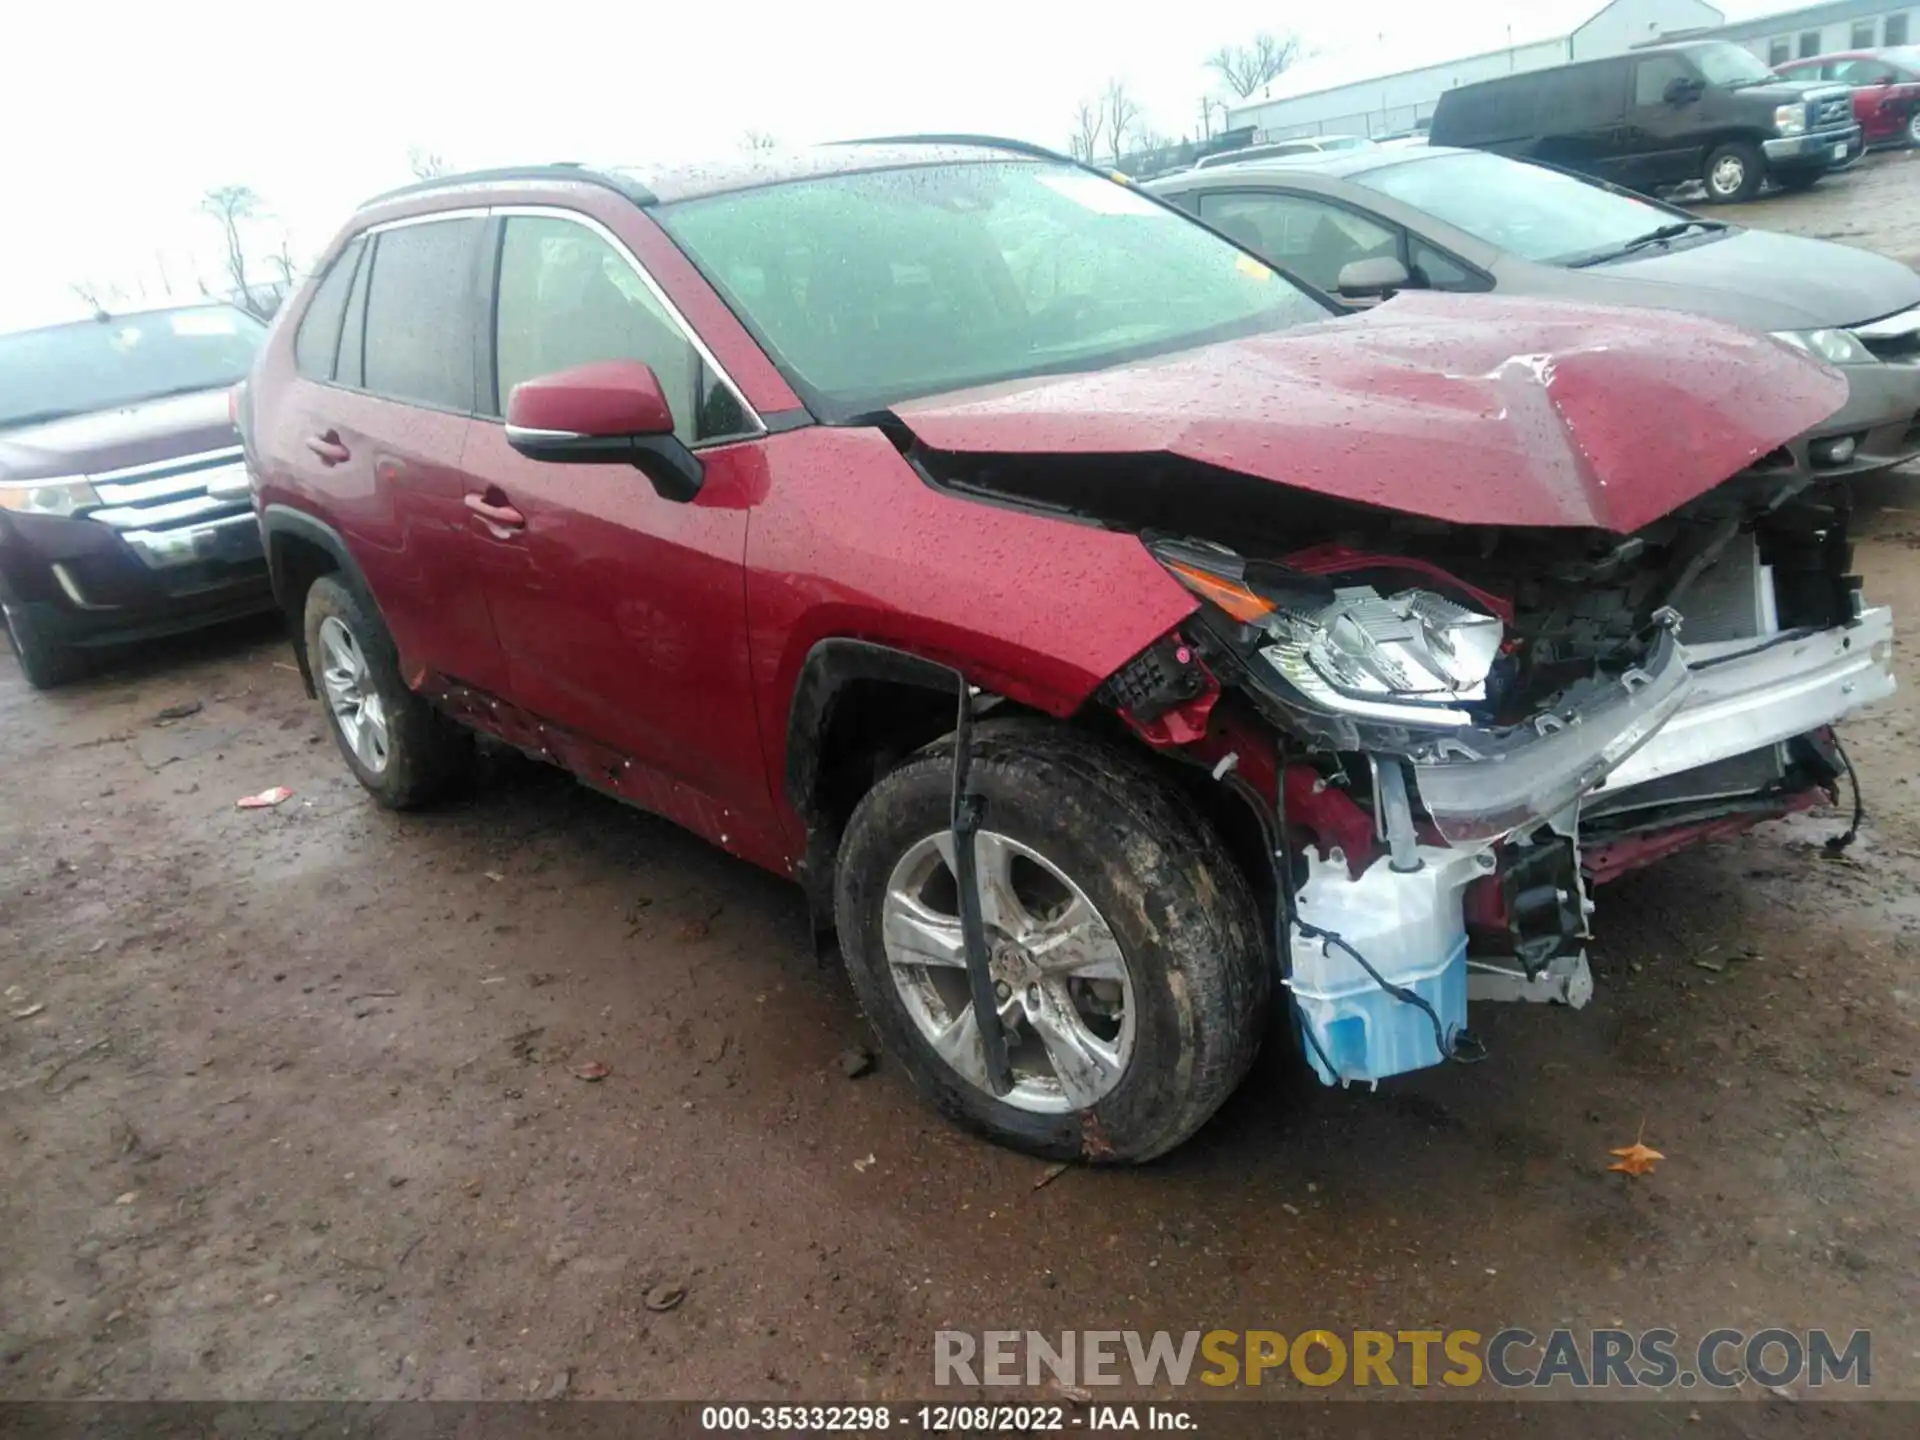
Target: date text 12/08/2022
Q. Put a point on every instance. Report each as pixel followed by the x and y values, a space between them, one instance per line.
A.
pixel 945 1419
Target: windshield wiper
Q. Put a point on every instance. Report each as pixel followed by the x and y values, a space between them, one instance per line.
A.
pixel 1665 234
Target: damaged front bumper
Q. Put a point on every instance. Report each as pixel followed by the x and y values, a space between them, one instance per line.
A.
pixel 1505 804
pixel 1685 707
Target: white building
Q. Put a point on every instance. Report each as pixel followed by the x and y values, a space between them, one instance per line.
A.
pixel 1393 83
pixel 1826 29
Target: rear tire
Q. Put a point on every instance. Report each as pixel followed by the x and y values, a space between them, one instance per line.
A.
pixel 1734 173
pixel 406 753
pixel 1168 971
pixel 44 661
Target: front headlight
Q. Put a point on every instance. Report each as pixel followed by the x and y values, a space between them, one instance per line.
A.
pixel 1413 659
pixel 1790 120
pixel 59 495
pixel 1836 347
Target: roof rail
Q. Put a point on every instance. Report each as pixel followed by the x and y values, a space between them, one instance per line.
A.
pixel 559 170
pixel 987 142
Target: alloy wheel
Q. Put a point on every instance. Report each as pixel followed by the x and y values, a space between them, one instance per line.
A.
pixel 1727 176
pixel 1065 992
pixel 351 695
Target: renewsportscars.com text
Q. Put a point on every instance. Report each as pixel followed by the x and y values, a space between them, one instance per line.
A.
pixel 1508 1359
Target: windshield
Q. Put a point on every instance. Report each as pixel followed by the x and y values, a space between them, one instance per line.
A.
pixel 875 287
pixel 1534 213
pixel 1729 67
pixel 94 365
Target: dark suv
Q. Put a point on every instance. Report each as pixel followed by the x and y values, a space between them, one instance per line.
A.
pixel 1111 640
pixel 1661 117
pixel 125 511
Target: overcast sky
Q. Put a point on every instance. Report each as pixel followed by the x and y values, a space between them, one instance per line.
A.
pixel 114 119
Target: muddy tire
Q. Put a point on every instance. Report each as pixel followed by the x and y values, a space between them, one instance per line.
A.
pixel 1734 173
pixel 1127 945
pixel 45 662
pixel 401 749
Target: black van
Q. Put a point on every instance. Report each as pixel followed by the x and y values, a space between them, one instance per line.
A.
pixel 1658 117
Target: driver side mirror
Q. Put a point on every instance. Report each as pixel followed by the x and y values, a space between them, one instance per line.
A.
pixel 1375 278
pixel 611 412
pixel 1682 90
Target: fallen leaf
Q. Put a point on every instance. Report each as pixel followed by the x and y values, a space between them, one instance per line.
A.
pixel 592 1070
pixel 1635 1159
pixel 665 1297
pixel 31 1011
pixel 127 1199
pixel 856 1061
pixel 494 875
pixel 176 712
pixel 265 800
pixel 1714 965
pixel 865 1164
pixel 1049 1175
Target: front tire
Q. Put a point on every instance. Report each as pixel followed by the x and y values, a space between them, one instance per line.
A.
pixel 1734 173
pixel 399 747
pixel 1127 948
pixel 43 660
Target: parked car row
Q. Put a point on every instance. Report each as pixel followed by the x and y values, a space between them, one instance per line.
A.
pixel 1119 639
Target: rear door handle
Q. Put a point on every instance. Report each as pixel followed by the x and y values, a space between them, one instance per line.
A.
pixel 328 448
pixel 500 520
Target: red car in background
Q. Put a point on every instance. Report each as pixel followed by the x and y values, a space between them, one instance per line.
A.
pixel 1886 89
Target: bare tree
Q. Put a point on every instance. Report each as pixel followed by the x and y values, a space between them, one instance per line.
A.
pixel 426 164
pixel 283 262
pixel 1246 68
pixel 1087 125
pixel 755 141
pixel 1119 112
pixel 231 206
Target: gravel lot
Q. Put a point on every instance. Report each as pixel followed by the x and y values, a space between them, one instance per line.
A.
pixel 294 1113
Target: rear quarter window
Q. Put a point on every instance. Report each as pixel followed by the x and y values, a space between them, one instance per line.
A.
pixel 317 341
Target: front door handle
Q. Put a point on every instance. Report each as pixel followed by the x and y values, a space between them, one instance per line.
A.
pixel 328 448
pixel 498 519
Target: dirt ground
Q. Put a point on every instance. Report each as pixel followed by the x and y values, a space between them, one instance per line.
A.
pixel 288 1105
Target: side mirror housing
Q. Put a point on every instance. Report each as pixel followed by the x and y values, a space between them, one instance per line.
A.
pixel 1373 279
pixel 611 412
pixel 1682 90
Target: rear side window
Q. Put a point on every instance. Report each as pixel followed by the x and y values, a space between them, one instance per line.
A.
pixel 317 340
pixel 1484 114
pixel 419 314
pixel 1584 96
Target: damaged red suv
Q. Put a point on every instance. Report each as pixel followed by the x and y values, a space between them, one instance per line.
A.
pixel 1118 646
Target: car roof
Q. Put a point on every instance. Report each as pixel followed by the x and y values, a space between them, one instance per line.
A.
pixel 1340 164
pixel 670 183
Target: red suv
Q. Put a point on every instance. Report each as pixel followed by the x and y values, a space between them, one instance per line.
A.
pixel 1119 646
pixel 1886 89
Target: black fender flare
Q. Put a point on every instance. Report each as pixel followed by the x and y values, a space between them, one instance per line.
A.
pixel 831 666
pixel 284 520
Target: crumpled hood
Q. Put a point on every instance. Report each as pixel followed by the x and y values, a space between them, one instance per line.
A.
pixel 1469 409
